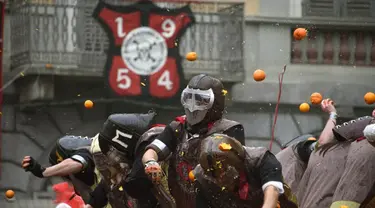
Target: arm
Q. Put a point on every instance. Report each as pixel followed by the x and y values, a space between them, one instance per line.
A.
pixel 327 135
pixel 271 180
pixel 271 196
pixel 81 160
pixel 66 167
pixel 150 155
pixel 163 145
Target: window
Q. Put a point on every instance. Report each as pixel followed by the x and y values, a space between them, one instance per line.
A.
pixel 339 8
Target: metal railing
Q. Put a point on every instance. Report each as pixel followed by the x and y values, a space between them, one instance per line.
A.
pixel 64 34
pixel 335 47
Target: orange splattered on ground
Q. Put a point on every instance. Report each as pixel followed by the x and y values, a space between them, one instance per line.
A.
pixel 9 194
pixel 191 176
pixel 259 75
pixel 304 107
pixel 316 98
pixel 191 56
pixel 369 98
pixel 225 147
pixel 89 104
pixel 299 33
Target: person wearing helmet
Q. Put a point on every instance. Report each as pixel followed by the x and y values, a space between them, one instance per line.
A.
pixel 115 156
pixel 203 101
pixel 70 158
pixel 294 158
pixel 232 175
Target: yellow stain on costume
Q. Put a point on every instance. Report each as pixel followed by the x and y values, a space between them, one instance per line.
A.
pixel 225 147
pixel 59 158
pixel 225 92
pixel 344 206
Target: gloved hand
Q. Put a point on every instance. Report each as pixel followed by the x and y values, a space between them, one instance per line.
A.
pixel 154 171
pixel 30 164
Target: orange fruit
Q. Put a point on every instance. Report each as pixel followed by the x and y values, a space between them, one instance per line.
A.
pixel 9 194
pixel 259 75
pixel 311 139
pixel 304 107
pixel 369 98
pixel 316 98
pixel 191 176
pixel 299 33
pixel 191 56
pixel 49 66
pixel 89 104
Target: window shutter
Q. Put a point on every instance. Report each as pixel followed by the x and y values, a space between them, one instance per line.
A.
pixel 358 8
pixel 320 8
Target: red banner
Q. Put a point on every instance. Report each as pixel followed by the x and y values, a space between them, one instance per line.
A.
pixel 2 14
pixel 143 60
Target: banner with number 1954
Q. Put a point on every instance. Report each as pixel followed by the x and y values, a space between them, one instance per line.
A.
pixel 143 59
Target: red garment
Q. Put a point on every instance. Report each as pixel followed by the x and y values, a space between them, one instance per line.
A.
pixel 244 187
pixel 182 120
pixel 65 194
pixel 158 125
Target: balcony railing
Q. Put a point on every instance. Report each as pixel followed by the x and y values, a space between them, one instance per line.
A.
pixel 64 34
pixel 335 47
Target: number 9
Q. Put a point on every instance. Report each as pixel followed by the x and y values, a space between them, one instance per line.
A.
pixel 168 27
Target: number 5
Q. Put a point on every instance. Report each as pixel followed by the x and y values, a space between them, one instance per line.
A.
pixel 122 75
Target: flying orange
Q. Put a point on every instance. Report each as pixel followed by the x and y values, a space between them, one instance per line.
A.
pixel 259 75
pixel 299 33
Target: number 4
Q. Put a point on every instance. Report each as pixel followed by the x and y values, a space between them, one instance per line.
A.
pixel 165 80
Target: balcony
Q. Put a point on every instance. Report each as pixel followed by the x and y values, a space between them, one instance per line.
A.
pixel 337 58
pixel 340 47
pixel 60 37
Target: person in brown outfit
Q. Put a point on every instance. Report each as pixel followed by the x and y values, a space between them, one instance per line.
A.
pixel 327 164
pixel 356 187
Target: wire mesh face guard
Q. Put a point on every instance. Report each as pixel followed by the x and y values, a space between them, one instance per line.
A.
pixel 197 100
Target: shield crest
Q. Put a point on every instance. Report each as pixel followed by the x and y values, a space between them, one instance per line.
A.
pixel 143 59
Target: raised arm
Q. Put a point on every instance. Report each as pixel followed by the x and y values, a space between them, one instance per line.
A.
pixel 327 136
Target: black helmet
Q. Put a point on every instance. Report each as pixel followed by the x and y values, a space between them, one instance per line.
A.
pixel 203 100
pixel 296 140
pixel 305 148
pixel 67 146
pixel 122 131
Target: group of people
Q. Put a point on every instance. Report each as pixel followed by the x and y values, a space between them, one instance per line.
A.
pixel 337 170
pixel 200 160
